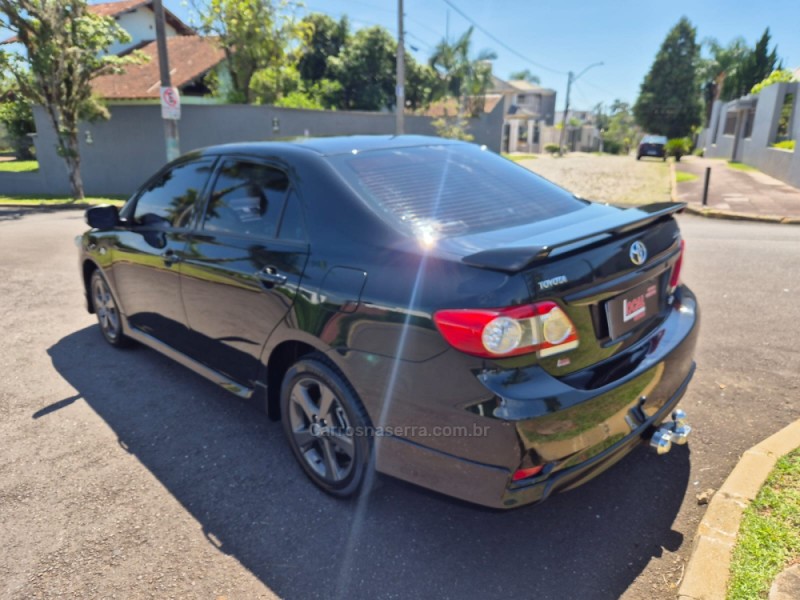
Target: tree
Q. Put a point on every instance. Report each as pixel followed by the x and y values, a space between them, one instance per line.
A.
pixel 17 118
pixel 620 132
pixel 460 76
pixel 733 70
pixel 719 72
pixel 64 50
pixel 525 75
pixel 324 38
pixel 762 62
pixel 254 34
pixel 669 99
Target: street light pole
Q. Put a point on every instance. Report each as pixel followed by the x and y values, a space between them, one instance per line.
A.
pixel 170 125
pixel 571 78
pixel 400 103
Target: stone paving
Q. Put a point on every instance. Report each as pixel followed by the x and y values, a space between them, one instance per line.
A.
pixel 751 192
pixel 606 178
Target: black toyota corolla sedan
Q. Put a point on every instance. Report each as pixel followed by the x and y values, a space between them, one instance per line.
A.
pixel 415 305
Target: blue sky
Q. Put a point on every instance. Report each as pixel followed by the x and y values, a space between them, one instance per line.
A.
pixel 561 36
pixel 564 35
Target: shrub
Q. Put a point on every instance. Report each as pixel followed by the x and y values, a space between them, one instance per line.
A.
pixel 678 147
pixel 611 146
pixel 784 76
pixel 16 115
pixel 551 148
pixel 785 145
pixel 699 151
pixel 452 127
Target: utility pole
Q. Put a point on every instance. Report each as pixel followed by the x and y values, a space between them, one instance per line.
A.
pixel 571 78
pixel 564 117
pixel 170 125
pixel 400 104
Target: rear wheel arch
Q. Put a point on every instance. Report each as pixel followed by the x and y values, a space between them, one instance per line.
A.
pixel 281 359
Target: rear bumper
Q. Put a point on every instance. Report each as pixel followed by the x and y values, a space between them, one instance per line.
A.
pixel 576 434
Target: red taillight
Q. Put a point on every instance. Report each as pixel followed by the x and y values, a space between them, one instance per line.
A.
pixel 502 332
pixel 676 270
pixel 525 473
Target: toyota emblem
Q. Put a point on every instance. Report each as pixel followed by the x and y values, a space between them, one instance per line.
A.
pixel 638 253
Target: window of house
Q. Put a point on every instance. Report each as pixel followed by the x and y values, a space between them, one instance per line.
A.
pixel 247 199
pixel 522 131
pixel 730 123
pixel 784 131
pixel 170 199
pixel 749 119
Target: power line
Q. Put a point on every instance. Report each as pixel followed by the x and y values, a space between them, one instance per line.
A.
pixel 499 41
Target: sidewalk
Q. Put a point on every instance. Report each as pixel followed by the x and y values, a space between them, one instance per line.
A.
pixel 733 192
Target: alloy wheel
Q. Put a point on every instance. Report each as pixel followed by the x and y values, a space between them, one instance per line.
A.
pixel 106 309
pixel 321 430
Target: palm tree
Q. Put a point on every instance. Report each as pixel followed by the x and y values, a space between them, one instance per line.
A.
pixel 460 76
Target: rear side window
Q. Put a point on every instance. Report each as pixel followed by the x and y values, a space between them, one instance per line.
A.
pixel 247 199
pixel 453 189
pixel 170 199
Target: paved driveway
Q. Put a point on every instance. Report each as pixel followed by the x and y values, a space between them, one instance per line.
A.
pixel 123 474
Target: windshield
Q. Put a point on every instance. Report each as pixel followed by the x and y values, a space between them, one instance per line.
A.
pixel 654 139
pixel 452 189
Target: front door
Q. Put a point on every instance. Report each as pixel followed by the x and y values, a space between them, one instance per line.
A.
pixel 146 257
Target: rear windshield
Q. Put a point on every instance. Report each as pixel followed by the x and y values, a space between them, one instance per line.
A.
pixel 654 139
pixel 452 190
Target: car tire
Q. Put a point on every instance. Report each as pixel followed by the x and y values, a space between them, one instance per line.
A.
pixel 107 311
pixel 638 157
pixel 664 158
pixel 326 426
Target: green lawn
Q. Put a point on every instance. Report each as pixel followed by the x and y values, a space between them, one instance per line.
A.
pixel 681 176
pixel 740 166
pixel 18 166
pixel 769 535
pixel 519 157
pixel 57 200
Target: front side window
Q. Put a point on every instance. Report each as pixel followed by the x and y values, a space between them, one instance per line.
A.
pixel 247 199
pixel 170 199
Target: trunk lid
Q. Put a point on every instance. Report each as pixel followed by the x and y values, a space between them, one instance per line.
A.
pixel 587 267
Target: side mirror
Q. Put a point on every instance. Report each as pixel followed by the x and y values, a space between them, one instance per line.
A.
pixel 105 216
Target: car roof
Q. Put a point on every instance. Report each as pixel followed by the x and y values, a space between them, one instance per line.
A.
pixel 329 146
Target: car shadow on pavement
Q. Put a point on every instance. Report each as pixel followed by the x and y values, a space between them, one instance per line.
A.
pixel 231 469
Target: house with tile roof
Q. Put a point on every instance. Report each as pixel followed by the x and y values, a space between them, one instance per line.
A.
pixel 191 57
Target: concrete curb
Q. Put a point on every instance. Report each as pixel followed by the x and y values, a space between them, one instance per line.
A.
pixel 715 213
pixel 706 576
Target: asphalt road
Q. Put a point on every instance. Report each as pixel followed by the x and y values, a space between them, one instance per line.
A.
pixel 124 475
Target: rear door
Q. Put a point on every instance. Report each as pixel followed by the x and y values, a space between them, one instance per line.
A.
pixel 241 272
pixel 147 254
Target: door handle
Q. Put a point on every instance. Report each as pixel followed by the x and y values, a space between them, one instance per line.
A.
pixel 271 275
pixel 170 257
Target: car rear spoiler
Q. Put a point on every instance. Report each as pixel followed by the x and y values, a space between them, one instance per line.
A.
pixel 516 258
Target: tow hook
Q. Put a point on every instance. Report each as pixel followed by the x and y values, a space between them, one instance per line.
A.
pixel 672 432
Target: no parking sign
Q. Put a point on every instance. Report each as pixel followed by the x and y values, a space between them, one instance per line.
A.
pixel 170 103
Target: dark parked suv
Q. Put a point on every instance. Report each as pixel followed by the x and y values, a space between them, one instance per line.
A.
pixel 654 146
pixel 417 305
